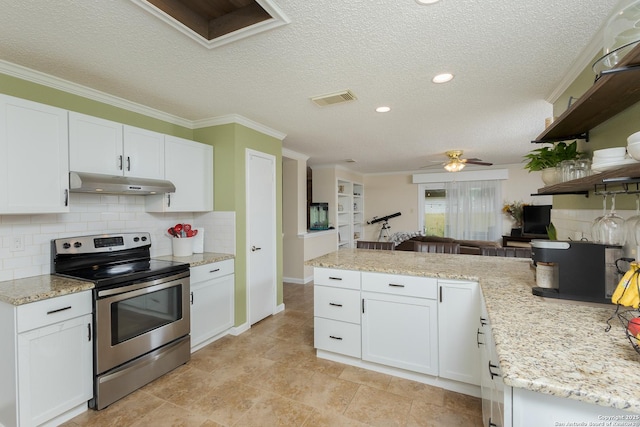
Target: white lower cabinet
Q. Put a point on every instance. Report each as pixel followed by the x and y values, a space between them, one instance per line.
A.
pixel 458 312
pixel 212 301
pixel 46 370
pixel 337 311
pixel 400 322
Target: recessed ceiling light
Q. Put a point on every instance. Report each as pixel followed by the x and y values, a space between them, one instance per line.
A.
pixel 442 78
pixel 427 1
pixel 383 109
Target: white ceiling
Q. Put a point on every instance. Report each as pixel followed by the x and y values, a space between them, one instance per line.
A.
pixel 508 56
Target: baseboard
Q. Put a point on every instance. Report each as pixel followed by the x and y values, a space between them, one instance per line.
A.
pixel 237 330
pixel 210 340
pixel 279 308
pixel 295 281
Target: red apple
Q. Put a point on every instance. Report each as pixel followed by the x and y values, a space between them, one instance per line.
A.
pixel 634 326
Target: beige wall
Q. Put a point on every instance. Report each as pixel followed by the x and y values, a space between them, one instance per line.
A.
pixel 386 194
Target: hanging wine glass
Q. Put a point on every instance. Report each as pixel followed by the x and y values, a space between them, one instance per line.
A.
pixel 612 227
pixel 595 225
pixel 631 225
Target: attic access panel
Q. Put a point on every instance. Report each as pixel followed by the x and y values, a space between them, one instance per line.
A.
pixel 214 23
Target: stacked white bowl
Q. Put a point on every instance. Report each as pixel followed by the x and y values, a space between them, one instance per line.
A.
pixel 633 145
pixel 610 158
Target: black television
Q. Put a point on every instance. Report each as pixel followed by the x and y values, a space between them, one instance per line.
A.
pixel 535 220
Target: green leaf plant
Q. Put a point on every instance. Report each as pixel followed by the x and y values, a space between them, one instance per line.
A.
pixel 550 157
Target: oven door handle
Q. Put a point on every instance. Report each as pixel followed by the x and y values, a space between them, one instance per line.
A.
pixel 145 287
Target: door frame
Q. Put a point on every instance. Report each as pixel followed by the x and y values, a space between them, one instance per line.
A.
pixel 273 246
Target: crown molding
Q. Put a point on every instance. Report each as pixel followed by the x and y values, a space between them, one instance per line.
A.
pixel 53 82
pixel 582 61
pixel 57 83
pixel 241 120
pixel 290 154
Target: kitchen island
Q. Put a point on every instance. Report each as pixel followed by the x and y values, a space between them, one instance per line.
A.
pixel 554 347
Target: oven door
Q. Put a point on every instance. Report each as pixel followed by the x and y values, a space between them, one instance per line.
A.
pixel 133 320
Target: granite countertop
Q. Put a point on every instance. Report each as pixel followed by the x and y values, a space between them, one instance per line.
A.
pixel 549 346
pixel 32 289
pixel 196 260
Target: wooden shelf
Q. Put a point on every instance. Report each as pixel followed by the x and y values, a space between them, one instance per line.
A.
pixel 609 95
pixel 584 185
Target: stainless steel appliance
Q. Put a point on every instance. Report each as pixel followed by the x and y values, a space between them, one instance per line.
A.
pixel 586 270
pixel 141 309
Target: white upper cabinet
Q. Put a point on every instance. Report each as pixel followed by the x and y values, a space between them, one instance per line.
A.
pixel 143 153
pixel 34 162
pixel 189 166
pixel 95 145
pixel 105 147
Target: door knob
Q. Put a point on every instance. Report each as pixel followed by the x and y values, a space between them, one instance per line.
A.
pixel 253 249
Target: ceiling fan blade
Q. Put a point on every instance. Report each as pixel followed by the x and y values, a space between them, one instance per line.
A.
pixel 477 162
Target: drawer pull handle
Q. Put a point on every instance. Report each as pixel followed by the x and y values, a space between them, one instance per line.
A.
pixel 478 337
pixel 483 321
pixel 335 338
pixel 335 278
pixel 394 285
pixel 493 374
pixel 492 424
pixel 214 271
pixel 335 305
pixel 59 310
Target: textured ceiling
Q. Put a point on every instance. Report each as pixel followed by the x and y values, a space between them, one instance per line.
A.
pixel 507 57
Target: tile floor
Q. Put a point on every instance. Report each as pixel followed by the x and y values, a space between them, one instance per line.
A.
pixel 269 376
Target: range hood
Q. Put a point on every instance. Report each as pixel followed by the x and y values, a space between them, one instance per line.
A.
pixel 82 182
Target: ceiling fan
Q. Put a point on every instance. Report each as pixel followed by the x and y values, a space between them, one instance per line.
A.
pixel 456 164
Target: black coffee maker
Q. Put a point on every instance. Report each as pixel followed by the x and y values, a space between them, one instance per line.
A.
pixel 586 270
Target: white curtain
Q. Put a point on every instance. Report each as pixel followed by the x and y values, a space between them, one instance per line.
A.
pixel 474 210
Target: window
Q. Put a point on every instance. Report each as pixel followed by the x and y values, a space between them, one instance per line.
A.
pixel 474 210
pixel 469 210
pixel 435 208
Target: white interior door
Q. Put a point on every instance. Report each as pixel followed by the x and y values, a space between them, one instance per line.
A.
pixel 261 235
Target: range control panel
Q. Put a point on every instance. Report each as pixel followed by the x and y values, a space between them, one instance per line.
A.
pixel 101 243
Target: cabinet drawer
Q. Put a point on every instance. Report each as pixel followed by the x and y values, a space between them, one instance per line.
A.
pixel 335 277
pixel 421 287
pixel 337 337
pixel 336 304
pixel 53 310
pixel 206 272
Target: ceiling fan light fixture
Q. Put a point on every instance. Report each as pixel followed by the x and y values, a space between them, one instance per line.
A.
pixel 425 2
pixel 454 166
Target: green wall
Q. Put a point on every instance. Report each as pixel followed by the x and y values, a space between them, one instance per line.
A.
pixel 230 142
pixel 45 95
pixel 612 133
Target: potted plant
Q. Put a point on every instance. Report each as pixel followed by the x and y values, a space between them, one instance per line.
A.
pixel 514 211
pixel 547 159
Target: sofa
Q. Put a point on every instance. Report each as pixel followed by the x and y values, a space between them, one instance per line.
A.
pixel 468 247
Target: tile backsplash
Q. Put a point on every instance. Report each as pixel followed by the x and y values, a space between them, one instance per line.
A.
pixel 26 239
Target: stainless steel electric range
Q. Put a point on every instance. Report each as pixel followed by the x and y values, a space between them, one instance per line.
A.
pixel 140 313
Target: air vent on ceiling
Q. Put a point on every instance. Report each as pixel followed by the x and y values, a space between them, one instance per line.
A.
pixel 334 98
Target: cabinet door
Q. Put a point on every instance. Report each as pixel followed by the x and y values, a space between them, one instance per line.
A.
pixel 55 370
pixel 143 153
pixel 211 308
pixel 458 314
pixel 400 331
pixel 34 157
pixel 189 166
pixel 95 145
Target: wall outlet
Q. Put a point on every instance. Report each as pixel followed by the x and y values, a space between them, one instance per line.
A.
pixel 17 243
